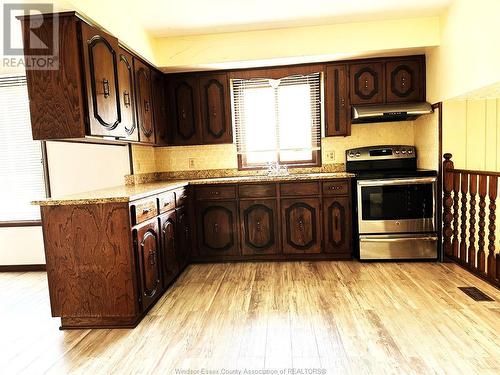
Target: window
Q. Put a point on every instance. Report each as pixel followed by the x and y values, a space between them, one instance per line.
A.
pixel 278 120
pixel 21 167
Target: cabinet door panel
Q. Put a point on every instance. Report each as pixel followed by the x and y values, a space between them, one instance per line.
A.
pixel 159 108
pixel 338 122
pixel 215 109
pixel 185 111
pixel 144 102
pixel 184 240
pixel 367 83
pixel 404 81
pixel 127 94
pixel 259 227
pixel 170 264
pixel 337 224
pixel 301 225
pixel 217 228
pixel 147 243
pixel 101 76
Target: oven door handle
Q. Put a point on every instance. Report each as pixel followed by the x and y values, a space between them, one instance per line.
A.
pixel 397 239
pixel 397 181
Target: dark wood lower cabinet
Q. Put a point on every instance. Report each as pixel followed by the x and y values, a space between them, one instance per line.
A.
pixel 168 234
pixel 217 228
pixel 337 224
pixel 148 254
pixel 183 233
pixel 301 223
pixel 259 229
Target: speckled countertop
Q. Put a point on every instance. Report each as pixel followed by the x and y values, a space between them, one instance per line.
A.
pixel 128 193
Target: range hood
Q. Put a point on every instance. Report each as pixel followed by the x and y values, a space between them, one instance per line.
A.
pixel 389 112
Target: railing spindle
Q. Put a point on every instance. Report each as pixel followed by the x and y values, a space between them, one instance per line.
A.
pixel 447 202
pixel 456 207
pixel 483 188
pixel 471 259
pixel 493 187
pixel 463 227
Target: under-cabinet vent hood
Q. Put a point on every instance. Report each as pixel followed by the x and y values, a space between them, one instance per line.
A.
pixel 389 112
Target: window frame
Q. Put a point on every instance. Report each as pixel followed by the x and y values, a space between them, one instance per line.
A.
pixel 278 73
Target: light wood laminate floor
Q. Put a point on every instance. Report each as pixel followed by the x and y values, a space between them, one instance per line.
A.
pixel 337 317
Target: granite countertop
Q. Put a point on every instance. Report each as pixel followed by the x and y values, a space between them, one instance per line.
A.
pixel 128 193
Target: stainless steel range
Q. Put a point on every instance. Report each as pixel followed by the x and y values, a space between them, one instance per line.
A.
pixel 395 203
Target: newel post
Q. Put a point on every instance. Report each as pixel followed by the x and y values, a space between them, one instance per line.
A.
pixel 447 202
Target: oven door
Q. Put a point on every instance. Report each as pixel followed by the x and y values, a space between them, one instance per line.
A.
pixel 397 205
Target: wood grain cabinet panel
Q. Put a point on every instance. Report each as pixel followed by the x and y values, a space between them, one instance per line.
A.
pixel 168 234
pixel 148 253
pixel 337 225
pixel 143 210
pixel 257 190
pixel 101 76
pixel 367 83
pixel 144 102
pixel 337 187
pixel 127 94
pixel 184 237
pixel 301 223
pixel 216 192
pixel 184 110
pixel 338 121
pixel 159 108
pixel 299 188
pixel 215 109
pixel 259 227
pixel 217 228
pixel 404 80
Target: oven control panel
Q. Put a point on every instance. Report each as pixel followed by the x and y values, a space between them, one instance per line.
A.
pixel 381 153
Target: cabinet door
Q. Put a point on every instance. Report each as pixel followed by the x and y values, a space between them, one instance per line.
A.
pixel 301 225
pixel 215 109
pixel 259 227
pixel 147 246
pixel 159 107
pixel 185 111
pixel 101 79
pixel 183 245
pixel 127 94
pixel 337 224
pixel 338 121
pixel 367 83
pixel 217 229
pixel 404 80
pixel 144 102
pixel 168 235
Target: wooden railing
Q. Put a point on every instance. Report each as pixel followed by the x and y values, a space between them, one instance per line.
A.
pixel 464 216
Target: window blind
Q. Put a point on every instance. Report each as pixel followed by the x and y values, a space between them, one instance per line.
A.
pixel 21 164
pixel 278 119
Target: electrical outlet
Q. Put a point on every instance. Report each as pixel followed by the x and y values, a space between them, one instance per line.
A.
pixel 191 163
pixel 330 156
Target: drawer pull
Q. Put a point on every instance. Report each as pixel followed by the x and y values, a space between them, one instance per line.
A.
pixel 146 210
pixel 335 187
pixel 105 87
pixel 214 193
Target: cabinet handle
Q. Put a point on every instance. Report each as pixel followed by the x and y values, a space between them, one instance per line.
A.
pixel 152 257
pixel 183 114
pixel 146 105
pixel 214 112
pixel 105 87
pixel 146 211
pixel 126 99
pixel 216 228
pixel 259 229
pixel 335 187
pixel 342 102
pixel 186 232
pixel 366 83
pixel 301 225
pixel 214 193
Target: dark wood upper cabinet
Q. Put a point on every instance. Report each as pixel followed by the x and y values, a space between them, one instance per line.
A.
pixel 147 248
pixel 217 228
pixel 367 83
pixel 259 227
pixel 215 109
pixel 184 110
pixel 405 80
pixel 144 102
pixel 337 225
pixel 100 55
pixel 301 223
pixel 338 121
pixel 168 225
pixel 159 107
pixel 127 94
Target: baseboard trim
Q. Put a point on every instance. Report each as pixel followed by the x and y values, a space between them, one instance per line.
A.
pixel 22 267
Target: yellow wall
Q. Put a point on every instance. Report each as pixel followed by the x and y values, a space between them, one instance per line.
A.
pixel 426 135
pixel 468 56
pixel 471 132
pixel 320 42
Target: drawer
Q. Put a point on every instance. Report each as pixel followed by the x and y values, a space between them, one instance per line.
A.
pixel 216 192
pixel 299 188
pixel 340 187
pixel 257 190
pixel 166 201
pixel 181 197
pixel 143 210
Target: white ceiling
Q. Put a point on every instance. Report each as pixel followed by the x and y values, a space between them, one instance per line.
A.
pixel 192 17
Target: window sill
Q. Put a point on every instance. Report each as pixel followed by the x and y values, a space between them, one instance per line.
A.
pixel 20 223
